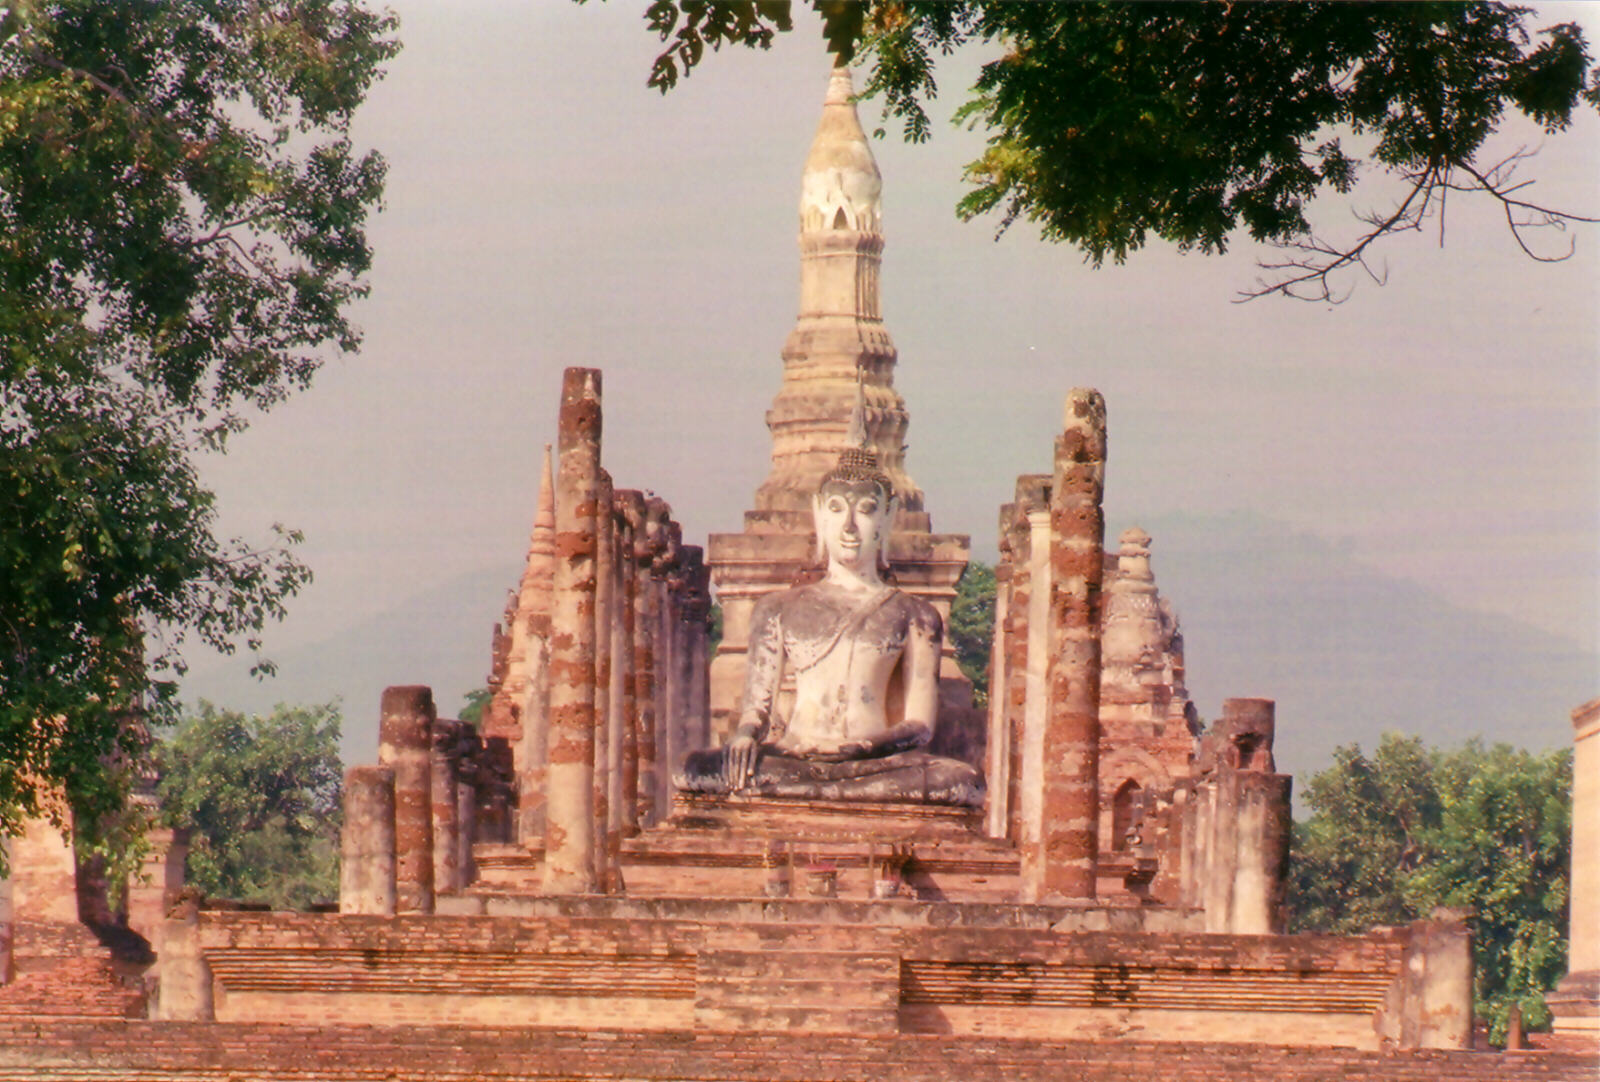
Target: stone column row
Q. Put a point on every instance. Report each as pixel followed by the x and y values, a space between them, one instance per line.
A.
pixel 623 697
pixel 410 820
pixel 598 687
pixel 1045 669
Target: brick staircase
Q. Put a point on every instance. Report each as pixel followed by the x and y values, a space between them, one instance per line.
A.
pixel 49 1050
pixel 66 971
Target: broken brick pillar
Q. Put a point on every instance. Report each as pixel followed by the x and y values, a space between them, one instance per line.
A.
pixel 367 856
pixel 405 743
pixel 533 690
pixel 685 735
pixel 152 892
pixel 185 992
pixel 619 651
pixel 1070 782
pixel 605 599
pixel 467 812
pixel 1028 748
pixel 444 781
pixel 1430 1003
pixel 630 528
pixel 646 623
pixel 1259 808
pixel 997 747
pixel 1018 538
pixel 694 618
pixel 664 568
pixel 569 829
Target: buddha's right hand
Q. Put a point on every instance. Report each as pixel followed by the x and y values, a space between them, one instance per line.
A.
pixel 739 764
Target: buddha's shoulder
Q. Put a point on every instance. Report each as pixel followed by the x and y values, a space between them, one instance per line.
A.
pixel 914 610
pixel 820 596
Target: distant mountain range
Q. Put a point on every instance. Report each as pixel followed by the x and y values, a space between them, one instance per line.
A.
pixel 1347 652
pixel 1350 653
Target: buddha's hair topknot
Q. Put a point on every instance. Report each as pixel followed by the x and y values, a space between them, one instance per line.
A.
pixel 858 464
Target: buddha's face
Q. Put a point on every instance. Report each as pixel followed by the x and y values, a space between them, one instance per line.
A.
pixel 851 520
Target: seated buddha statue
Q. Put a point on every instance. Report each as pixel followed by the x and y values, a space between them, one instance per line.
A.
pixel 864 658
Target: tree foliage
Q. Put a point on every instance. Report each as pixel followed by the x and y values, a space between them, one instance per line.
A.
pixel 261 797
pixel 182 223
pixel 1393 836
pixel 972 626
pixel 1111 123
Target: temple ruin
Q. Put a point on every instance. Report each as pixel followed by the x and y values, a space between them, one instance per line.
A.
pixel 508 887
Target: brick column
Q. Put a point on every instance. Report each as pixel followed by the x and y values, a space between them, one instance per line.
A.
pixel 184 992
pixel 695 615
pixel 604 602
pixel 1262 866
pixel 446 808
pixel 1016 689
pixel 1435 984
pixel 1033 508
pixel 998 745
pixel 644 660
pixel 569 832
pixel 664 671
pixel 539 589
pixel 630 508
pixel 619 648
pixel 367 856
pixel 1071 780
pixel 152 892
pixel 467 820
pixel 405 736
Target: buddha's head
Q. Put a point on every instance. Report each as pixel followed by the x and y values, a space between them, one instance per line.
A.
pixel 852 510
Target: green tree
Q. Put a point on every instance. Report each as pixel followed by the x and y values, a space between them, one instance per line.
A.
pixel 474 703
pixel 182 224
pixel 972 626
pixel 1391 803
pixel 1113 122
pixel 1394 836
pixel 261 798
pixel 1503 849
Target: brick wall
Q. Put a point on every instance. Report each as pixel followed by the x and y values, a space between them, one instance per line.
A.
pixel 780 967
pixel 46 1051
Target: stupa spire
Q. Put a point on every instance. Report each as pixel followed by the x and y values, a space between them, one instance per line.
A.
pixel 840 187
pixel 839 354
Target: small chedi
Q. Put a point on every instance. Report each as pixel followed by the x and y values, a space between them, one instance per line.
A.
pixel 809 834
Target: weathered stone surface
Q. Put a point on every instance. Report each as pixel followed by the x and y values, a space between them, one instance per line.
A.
pixel 569 833
pixel 1064 862
pixel 367 846
pixel 405 741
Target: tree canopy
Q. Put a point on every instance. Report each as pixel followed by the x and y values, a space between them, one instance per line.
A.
pixel 972 626
pixel 261 798
pixel 182 233
pixel 1112 123
pixel 1410 828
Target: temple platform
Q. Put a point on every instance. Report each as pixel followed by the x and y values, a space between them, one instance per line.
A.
pixel 791 965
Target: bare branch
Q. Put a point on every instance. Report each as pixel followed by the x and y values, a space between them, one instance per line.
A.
pixel 1305 275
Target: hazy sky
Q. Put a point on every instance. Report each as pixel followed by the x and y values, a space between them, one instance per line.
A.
pixel 545 209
